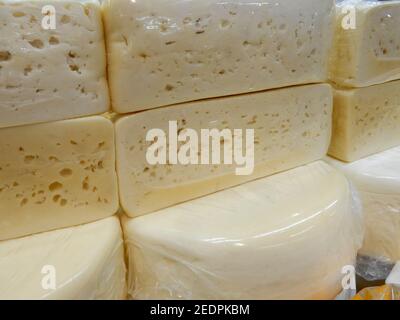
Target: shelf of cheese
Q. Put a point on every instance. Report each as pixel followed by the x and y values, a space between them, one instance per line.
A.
pixel 85 262
pixel 55 175
pixel 51 74
pixel 367 43
pixel 287 236
pixel 165 52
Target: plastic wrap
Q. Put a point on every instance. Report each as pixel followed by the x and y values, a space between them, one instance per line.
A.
pixel 84 262
pixel 377 179
pixel 287 236
pixel 51 69
pixel 367 43
pixel 162 52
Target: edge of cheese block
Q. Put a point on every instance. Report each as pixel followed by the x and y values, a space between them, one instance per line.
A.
pixel 84 262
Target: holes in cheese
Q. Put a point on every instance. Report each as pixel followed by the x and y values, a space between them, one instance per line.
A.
pixel 48 182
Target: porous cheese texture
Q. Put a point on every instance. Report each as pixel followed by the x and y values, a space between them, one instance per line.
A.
pixel 164 52
pixel 365 121
pixel 367 43
pixel 84 262
pixel 292 127
pixel 54 74
pixel 377 179
pixel 282 237
pixel 56 175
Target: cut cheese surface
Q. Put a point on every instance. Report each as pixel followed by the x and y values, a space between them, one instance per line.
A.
pixel 84 262
pixel 282 237
pixel 365 121
pixel 164 52
pixel 291 126
pixel 377 179
pixel 56 175
pixel 367 44
pixel 51 74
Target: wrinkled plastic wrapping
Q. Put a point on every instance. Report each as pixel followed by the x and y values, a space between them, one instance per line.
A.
pixel 163 52
pixel 287 236
pixel 87 262
pixel 377 179
pixel 367 43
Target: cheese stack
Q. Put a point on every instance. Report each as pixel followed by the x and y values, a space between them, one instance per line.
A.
pixel 366 57
pixel 287 236
pixel 377 179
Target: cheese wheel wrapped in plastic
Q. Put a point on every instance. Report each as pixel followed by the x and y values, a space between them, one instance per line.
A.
pixel 287 236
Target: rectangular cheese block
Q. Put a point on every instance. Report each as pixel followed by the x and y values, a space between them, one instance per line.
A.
pixel 377 179
pixel 290 126
pixel 56 175
pixel 78 263
pixel 163 52
pixel 367 43
pixel 365 121
pixel 287 236
pixel 51 74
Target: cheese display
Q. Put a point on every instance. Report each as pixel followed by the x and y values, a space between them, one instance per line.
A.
pixel 55 175
pixel 365 121
pixel 164 52
pixel 287 236
pixel 85 262
pixel 278 130
pixel 377 179
pixel 52 61
pixel 367 43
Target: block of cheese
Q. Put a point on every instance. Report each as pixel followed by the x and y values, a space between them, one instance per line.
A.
pixel 377 179
pixel 51 74
pixel 367 43
pixel 291 127
pixel 365 121
pixel 84 262
pixel 164 52
pixel 287 236
pixel 55 175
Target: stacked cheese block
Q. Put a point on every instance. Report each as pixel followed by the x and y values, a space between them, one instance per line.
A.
pixel 366 121
pixel 192 230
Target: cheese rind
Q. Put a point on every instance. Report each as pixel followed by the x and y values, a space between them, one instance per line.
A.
pixel 54 74
pixel 87 262
pixel 292 127
pixel 370 53
pixel 365 121
pixel 163 52
pixel 377 179
pixel 55 175
pixel 282 237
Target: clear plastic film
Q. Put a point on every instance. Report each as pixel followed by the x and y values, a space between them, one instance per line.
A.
pixel 163 52
pixel 377 180
pixel 367 43
pixel 84 262
pixel 287 236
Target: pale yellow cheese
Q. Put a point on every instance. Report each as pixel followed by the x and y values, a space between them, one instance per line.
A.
pixel 287 236
pixel 84 262
pixel 162 52
pixel 292 127
pixel 54 74
pixel 56 175
pixel 365 121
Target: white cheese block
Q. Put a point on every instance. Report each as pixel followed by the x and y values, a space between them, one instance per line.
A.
pixel 365 121
pixel 367 44
pixel 292 127
pixel 84 262
pixel 162 52
pixel 377 179
pixel 56 175
pixel 282 237
pixel 54 74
